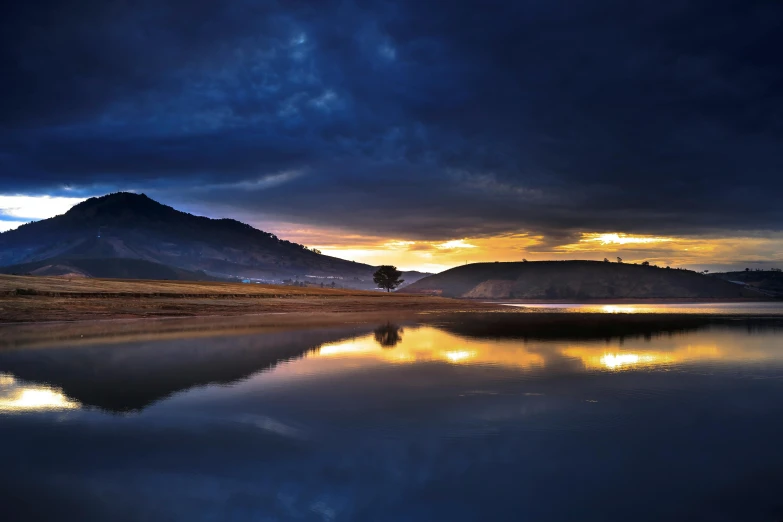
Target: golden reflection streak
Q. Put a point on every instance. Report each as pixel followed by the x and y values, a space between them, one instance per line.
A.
pixel 614 309
pixel 600 358
pixel 459 355
pixel 426 344
pixel 17 397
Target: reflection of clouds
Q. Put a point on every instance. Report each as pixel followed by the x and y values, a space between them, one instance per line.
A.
pixel 765 308
pixel 18 397
pixel 459 355
pixel 642 356
pixel 270 425
pixel 615 309
pixel 425 344
pixel 430 344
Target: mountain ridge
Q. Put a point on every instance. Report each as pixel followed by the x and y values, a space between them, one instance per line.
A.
pixel 134 226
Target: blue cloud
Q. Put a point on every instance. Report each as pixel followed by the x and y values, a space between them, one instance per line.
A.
pixel 661 118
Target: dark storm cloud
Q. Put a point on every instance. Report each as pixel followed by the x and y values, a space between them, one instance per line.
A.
pixel 418 119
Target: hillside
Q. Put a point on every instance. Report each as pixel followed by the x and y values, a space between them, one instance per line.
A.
pixel 118 268
pixel 574 280
pixel 35 299
pixel 133 226
pixel 766 281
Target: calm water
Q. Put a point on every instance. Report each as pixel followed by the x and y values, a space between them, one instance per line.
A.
pixel 738 308
pixel 469 419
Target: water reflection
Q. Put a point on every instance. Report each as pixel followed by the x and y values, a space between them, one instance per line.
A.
pixel 388 335
pixel 428 344
pixel 17 397
pixel 641 356
pixel 131 377
pixel 730 308
pixel 465 418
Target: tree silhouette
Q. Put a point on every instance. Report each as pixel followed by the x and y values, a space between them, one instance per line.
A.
pixel 387 277
pixel 619 259
pixel 388 335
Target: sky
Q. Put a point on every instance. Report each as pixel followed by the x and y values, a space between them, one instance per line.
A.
pixel 424 134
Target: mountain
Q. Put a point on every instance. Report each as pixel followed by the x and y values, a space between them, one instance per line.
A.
pixel 769 282
pixel 106 268
pixel 575 280
pixel 134 227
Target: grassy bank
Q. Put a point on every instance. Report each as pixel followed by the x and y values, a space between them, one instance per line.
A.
pixel 36 299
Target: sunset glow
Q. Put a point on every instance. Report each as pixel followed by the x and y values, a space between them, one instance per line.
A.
pixel 426 344
pixel 438 254
pixel 623 239
pixel 17 397
pixel 686 252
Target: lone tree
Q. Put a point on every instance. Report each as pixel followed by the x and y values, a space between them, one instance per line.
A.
pixel 388 277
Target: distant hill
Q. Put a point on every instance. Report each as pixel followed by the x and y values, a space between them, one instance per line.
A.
pixel 769 282
pixel 116 268
pixel 574 280
pixel 133 226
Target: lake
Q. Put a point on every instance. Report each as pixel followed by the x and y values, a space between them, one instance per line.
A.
pixel 731 308
pixel 466 417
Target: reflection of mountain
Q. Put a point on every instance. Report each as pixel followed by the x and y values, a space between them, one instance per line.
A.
pixel 573 326
pixel 516 351
pixel 133 376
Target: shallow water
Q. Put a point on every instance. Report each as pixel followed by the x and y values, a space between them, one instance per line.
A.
pixel 456 419
pixel 735 308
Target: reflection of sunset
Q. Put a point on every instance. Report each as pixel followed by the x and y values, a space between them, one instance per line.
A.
pixel 429 344
pixel 615 309
pixel 651 308
pixel 459 355
pixel 15 397
pixel 425 344
pixel 601 357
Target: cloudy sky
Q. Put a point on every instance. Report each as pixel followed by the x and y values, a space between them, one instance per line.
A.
pixel 423 133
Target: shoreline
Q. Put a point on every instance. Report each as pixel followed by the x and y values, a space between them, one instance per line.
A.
pixel 502 320
pixel 640 301
pixel 42 300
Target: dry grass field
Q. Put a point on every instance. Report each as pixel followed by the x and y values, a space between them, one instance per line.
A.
pixel 35 299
